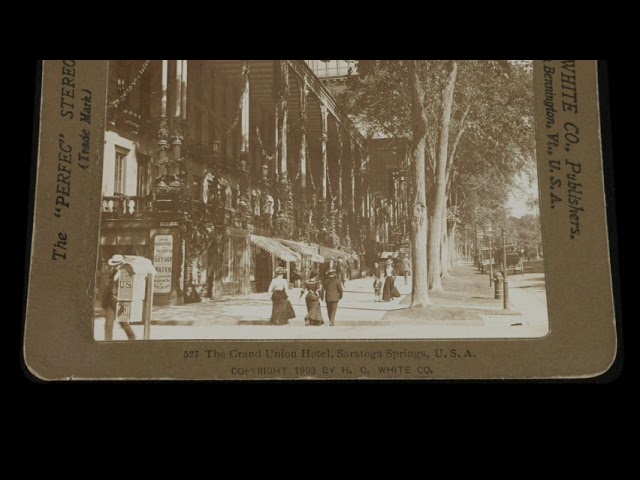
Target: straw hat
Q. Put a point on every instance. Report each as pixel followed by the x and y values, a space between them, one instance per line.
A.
pixel 116 260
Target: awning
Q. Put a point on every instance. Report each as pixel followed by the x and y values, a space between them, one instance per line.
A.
pixel 389 254
pixel 274 247
pixel 304 250
pixel 328 252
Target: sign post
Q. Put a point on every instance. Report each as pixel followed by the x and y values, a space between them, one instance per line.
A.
pixel 163 261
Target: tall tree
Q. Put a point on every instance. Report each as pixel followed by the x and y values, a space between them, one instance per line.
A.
pixel 420 293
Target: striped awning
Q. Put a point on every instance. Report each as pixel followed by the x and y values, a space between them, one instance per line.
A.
pixel 328 252
pixel 304 250
pixel 274 247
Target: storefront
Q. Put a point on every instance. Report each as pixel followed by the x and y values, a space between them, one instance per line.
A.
pixel 229 264
pixel 309 258
pixel 268 254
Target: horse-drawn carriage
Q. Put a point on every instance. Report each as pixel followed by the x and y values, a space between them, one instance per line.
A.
pixel 515 258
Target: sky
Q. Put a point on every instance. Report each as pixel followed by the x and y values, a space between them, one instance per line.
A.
pixel 524 191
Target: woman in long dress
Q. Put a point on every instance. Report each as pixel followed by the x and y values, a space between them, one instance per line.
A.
pixel 314 312
pixel 282 310
pixel 389 281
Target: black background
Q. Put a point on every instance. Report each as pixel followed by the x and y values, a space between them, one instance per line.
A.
pixel 98 401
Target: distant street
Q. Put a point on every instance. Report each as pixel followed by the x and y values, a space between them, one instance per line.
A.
pixel 465 310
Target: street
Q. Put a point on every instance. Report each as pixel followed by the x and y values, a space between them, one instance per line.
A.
pixel 360 317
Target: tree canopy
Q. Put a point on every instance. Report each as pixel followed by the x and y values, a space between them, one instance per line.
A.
pixel 479 131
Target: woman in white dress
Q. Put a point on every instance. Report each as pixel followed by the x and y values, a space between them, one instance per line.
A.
pixel 282 310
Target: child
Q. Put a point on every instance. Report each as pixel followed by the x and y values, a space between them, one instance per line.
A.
pixel 377 287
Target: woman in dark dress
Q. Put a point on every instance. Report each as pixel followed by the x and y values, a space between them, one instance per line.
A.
pixel 282 310
pixel 389 290
pixel 314 312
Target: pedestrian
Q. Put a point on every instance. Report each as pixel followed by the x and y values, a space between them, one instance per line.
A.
pixel 389 290
pixel 376 270
pixel 339 270
pixel 313 289
pixel 377 288
pixel 192 294
pixel 406 268
pixel 282 310
pixel 332 291
pixel 296 278
pixel 110 299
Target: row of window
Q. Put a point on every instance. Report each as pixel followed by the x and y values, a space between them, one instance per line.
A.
pixel 143 170
pixel 332 68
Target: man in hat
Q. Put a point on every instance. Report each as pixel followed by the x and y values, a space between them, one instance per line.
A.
pixel 110 302
pixel 332 294
pixel 406 267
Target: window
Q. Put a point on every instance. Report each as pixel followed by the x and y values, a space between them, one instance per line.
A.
pixel 144 166
pixel 332 68
pixel 228 261
pixel 197 188
pixel 121 172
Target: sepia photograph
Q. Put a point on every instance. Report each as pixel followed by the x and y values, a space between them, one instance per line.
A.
pixel 319 199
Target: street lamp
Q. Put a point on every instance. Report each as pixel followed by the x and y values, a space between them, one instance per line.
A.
pixel 489 231
pixel 480 259
pixel 475 244
pixel 505 284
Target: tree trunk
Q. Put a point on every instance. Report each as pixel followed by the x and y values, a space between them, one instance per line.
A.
pixel 420 293
pixel 444 247
pixel 439 194
pixel 444 252
pixel 453 250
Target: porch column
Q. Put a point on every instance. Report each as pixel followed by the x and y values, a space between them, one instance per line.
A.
pixel 324 137
pixel 178 99
pixel 177 120
pixel 353 180
pixel 184 89
pixel 340 173
pixel 244 125
pixel 281 92
pixel 163 126
pixel 304 90
pixel 164 85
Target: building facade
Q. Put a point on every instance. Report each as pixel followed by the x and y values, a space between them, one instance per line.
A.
pixel 221 170
pixel 389 215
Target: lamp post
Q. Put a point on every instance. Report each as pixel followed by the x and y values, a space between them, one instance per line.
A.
pixel 489 231
pixel 480 259
pixel 475 245
pixel 505 283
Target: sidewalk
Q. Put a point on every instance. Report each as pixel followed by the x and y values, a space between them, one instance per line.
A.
pixel 246 316
pixel 475 314
pixel 468 303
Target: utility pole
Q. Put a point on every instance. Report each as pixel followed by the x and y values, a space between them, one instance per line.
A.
pixel 490 234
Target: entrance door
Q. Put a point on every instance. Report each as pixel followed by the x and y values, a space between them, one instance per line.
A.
pixel 263 270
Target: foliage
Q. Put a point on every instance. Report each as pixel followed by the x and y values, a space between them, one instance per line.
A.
pixel 524 231
pixel 491 136
pixel 196 226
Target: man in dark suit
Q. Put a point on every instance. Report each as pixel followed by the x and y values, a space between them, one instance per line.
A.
pixel 332 294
